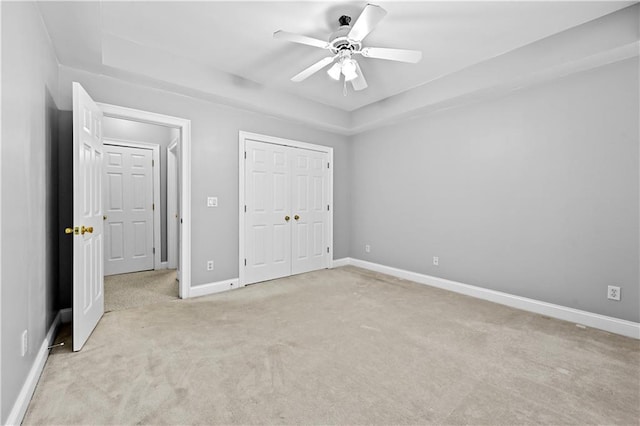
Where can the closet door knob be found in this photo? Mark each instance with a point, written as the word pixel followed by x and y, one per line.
pixel 287 218
pixel 296 217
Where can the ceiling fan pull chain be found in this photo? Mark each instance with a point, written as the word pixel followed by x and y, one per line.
pixel 344 88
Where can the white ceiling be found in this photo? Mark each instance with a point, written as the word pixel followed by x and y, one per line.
pixel 236 38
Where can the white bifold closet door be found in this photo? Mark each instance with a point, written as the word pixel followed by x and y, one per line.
pixel 128 209
pixel 286 219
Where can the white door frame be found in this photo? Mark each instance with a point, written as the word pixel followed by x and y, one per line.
pixel 172 204
pixel 242 137
pixel 155 155
pixel 184 125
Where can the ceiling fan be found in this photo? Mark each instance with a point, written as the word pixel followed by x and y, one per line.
pixel 346 43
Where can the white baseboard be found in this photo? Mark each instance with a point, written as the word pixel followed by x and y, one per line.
pixel 211 288
pixel 341 262
pixel 24 397
pixel 602 322
pixel 66 315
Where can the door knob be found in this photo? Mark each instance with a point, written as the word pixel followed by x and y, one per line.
pixel 287 218
pixel 296 217
pixel 87 229
pixel 104 218
pixel 71 230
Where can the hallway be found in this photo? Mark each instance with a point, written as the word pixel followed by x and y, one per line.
pixel 126 291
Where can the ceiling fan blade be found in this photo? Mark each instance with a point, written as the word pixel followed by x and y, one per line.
pixel 302 39
pixel 359 83
pixel 366 22
pixel 313 69
pixel 401 55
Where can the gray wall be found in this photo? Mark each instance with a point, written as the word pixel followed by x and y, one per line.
pixel 535 194
pixel 214 169
pixel 143 132
pixel 30 230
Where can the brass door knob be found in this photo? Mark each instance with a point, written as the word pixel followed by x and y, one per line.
pixel 86 229
pixel 296 217
pixel 287 218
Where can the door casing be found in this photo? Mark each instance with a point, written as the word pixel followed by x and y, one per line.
pixel 184 126
pixel 242 137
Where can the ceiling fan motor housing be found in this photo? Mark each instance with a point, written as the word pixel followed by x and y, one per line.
pixel 339 42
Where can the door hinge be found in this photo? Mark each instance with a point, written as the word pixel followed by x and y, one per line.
pixel 327 207
pixel 245 155
pixel 327 249
pixel 153 206
pixel 245 262
pixel 153 163
pixel 154 250
pixel 328 165
pixel 245 208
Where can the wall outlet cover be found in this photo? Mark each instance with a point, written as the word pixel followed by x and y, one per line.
pixel 613 292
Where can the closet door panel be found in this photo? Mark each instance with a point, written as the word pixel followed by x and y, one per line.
pixel 310 201
pixel 268 198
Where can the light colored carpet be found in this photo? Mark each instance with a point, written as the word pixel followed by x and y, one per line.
pixel 127 291
pixel 342 346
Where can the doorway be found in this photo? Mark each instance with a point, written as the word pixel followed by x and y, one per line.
pixel 286 198
pixel 178 185
pixel 88 219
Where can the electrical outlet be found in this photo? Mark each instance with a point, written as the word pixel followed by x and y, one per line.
pixel 613 292
pixel 209 265
pixel 212 201
pixel 367 248
pixel 25 342
pixel 436 260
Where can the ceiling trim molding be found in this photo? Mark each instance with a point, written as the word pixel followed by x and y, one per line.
pixel 609 39
pixel 186 75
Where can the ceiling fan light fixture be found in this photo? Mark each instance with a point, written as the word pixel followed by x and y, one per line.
pixel 349 69
pixel 334 71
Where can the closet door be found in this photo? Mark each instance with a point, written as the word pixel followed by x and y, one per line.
pixel 268 216
pixel 309 200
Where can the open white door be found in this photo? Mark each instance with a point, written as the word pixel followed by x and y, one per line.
pixel 88 260
pixel 173 217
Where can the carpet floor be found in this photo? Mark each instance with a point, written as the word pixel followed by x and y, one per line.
pixel 126 291
pixel 342 346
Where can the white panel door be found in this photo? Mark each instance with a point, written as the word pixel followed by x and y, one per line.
pixel 309 200
pixel 88 294
pixel 268 212
pixel 128 202
pixel 173 221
